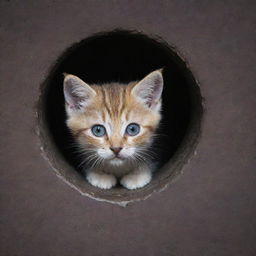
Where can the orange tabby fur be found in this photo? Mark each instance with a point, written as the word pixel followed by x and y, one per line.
pixel 114 106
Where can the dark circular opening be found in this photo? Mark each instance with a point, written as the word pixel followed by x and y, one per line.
pixel 122 56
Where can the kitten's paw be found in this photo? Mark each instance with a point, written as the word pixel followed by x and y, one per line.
pixel 136 179
pixel 101 180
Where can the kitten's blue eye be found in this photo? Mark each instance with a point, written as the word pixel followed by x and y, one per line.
pixel 98 130
pixel 132 129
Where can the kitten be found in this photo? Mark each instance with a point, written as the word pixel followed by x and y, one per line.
pixel 114 126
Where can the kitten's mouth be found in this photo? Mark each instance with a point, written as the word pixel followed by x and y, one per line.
pixel 117 160
pixel 118 157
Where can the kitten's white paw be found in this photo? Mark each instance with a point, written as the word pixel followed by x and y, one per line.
pixel 101 180
pixel 136 179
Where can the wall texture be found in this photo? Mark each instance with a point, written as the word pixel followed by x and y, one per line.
pixel 209 210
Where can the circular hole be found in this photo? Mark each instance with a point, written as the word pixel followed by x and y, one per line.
pixel 122 56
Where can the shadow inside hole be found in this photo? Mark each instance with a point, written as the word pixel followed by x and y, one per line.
pixel 122 56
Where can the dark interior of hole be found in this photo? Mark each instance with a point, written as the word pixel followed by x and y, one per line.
pixel 121 56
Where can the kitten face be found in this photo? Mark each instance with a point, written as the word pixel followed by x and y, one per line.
pixel 114 123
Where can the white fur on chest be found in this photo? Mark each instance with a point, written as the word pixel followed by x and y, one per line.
pixel 118 170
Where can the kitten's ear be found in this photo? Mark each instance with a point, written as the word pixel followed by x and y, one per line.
pixel 77 93
pixel 149 89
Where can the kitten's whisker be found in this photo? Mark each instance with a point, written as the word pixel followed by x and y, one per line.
pixel 146 153
pixel 140 157
pixel 91 158
pixel 88 159
pixel 97 162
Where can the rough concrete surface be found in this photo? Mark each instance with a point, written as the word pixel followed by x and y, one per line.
pixel 209 210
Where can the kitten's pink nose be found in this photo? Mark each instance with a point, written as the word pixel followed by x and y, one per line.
pixel 116 150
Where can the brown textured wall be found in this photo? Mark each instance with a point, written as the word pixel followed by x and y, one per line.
pixel 209 210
